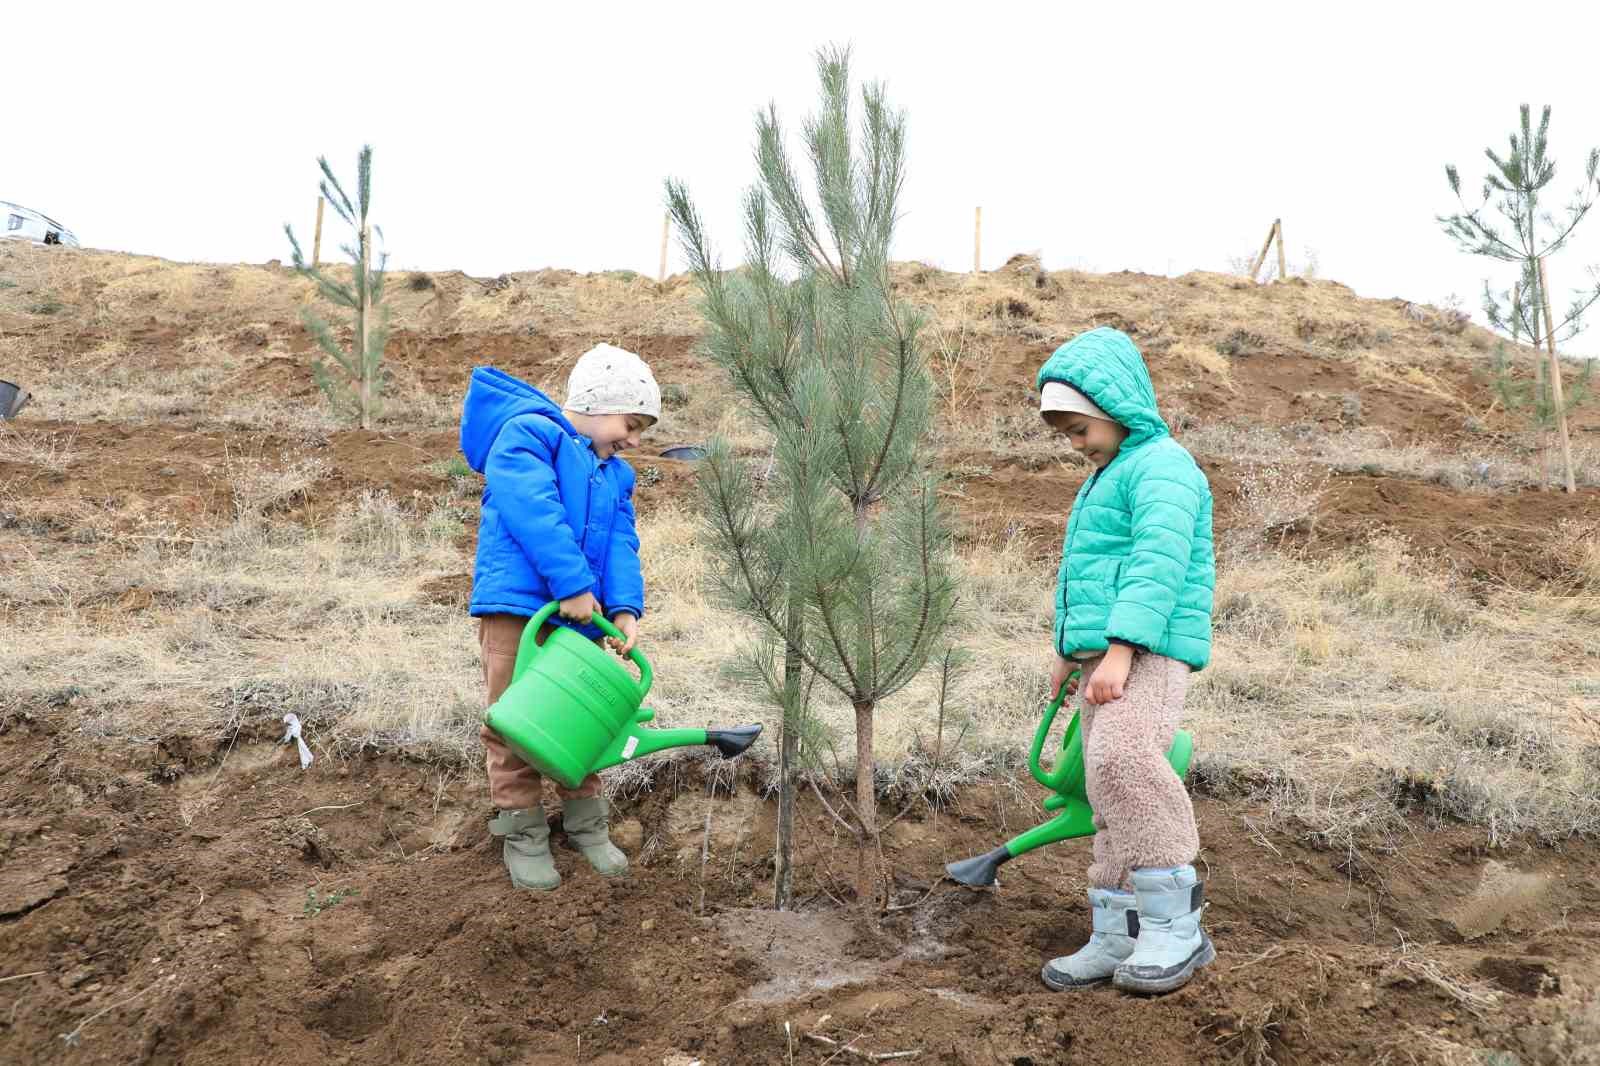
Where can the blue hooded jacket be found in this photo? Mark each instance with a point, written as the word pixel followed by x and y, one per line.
pixel 556 521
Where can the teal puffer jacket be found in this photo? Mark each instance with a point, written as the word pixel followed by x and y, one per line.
pixel 1137 563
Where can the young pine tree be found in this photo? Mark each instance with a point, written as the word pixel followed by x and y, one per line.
pixel 840 552
pixel 1525 234
pixel 355 387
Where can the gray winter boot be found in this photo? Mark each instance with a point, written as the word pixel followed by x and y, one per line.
pixel 1116 923
pixel 527 848
pixel 1170 945
pixel 585 822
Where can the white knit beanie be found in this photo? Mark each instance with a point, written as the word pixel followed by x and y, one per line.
pixel 1059 396
pixel 607 380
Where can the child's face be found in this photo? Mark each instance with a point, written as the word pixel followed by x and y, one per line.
pixel 611 434
pixel 1096 439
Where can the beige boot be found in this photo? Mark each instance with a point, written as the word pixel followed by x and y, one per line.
pixel 585 822
pixel 527 848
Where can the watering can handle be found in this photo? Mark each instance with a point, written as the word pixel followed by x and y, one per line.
pixel 646 674
pixel 1048 780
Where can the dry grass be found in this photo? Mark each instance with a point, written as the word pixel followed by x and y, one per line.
pixel 1374 451
pixel 1338 692
pixel 103 290
pixel 1276 498
pixel 242 625
pixel 1350 689
pixel 1203 358
pixel 46 451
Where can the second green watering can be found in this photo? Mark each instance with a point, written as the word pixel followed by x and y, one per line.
pixel 571 709
pixel 1066 779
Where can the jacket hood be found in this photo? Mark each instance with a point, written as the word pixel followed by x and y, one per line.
pixel 1105 365
pixel 493 399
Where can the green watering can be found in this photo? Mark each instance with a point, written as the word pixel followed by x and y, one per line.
pixel 571 709
pixel 1066 780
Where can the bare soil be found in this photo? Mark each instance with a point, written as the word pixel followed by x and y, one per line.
pixel 358 912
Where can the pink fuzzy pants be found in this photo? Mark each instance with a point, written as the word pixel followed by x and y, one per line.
pixel 1142 812
pixel 513 784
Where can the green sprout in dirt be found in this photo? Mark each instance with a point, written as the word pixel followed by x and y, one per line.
pixel 315 905
pixel 841 553
pixel 355 390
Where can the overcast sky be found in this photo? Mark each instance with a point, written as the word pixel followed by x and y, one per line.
pixel 1151 137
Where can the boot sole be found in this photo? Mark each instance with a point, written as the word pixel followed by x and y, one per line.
pixel 1071 984
pixel 1167 982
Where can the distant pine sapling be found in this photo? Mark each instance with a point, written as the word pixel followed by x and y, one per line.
pixel 1515 185
pixel 839 550
pixel 1516 391
pixel 355 387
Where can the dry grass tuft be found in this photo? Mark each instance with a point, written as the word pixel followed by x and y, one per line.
pixel 51 453
pixel 1411 966
pixel 1278 498
pixel 260 487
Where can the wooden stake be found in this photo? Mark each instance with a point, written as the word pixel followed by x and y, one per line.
pixel 316 237
pixel 977 241
pixel 1265 245
pixel 666 228
pixel 1539 390
pixel 1283 265
pixel 363 323
pixel 1556 398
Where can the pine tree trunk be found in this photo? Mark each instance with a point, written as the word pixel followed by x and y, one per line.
pixel 364 325
pixel 789 736
pixel 867 808
pixel 783 879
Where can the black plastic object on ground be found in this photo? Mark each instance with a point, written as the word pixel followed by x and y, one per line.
pixel 685 451
pixel 12 399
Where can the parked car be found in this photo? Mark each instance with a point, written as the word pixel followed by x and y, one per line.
pixel 26 224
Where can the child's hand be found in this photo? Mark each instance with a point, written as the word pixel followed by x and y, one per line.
pixel 629 625
pixel 580 608
pixel 1110 676
pixel 1061 674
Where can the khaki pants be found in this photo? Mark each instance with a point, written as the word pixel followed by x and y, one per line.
pixel 1142 812
pixel 513 784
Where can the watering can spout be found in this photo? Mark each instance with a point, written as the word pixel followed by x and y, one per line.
pixel 980 870
pixel 1065 779
pixel 571 710
pixel 635 743
pixel 731 742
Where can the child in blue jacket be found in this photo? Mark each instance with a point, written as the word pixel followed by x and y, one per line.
pixel 557 527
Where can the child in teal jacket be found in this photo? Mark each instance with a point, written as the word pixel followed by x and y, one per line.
pixel 1133 614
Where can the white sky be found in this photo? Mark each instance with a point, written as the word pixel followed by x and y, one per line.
pixel 1152 137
